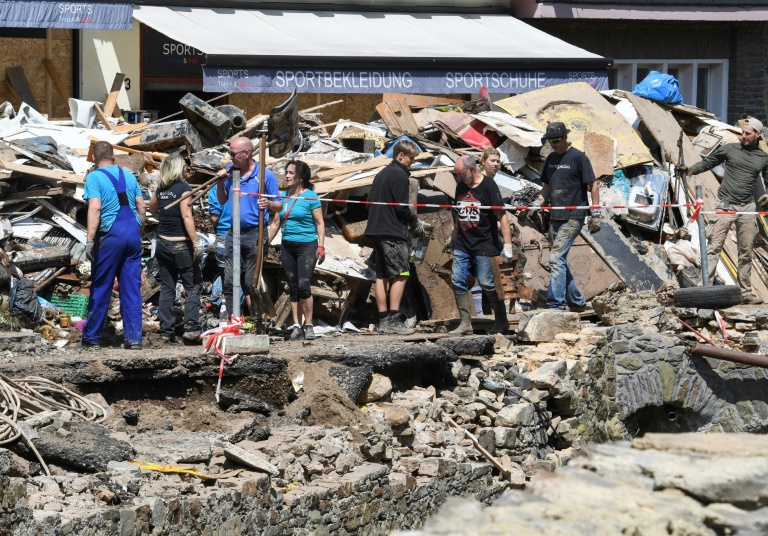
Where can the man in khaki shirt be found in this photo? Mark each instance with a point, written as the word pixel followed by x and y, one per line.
pixel 743 162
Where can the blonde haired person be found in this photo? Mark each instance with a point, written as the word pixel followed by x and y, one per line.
pixel 490 162
pixel 177 250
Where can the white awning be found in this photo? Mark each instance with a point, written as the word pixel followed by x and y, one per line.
pixel 249 47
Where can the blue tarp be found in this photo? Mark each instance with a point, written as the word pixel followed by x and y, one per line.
pixel 74 15
pixel 418 81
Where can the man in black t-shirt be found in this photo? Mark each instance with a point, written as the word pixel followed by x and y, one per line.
pixel 567 175
pixel 475 241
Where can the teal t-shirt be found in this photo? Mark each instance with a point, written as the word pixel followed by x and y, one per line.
pixel 299 225
pixel 98 186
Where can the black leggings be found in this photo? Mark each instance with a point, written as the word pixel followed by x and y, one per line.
pixel 299 259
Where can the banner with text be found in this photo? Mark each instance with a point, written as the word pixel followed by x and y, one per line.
pixel 75 15
pixel 260 80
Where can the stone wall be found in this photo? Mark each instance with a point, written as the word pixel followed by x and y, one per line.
pixel 638 382
pixel 368 499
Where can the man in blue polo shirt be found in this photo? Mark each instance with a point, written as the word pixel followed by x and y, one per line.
pixel 254 211
pixel 221 218
pixel 116 217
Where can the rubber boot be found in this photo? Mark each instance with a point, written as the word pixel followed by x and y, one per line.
pixel 500 321
pixel 465 324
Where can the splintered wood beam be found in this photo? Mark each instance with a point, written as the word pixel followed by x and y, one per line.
pixel 321 106
pixel 102 116
pixel 109 106
pixel 61 176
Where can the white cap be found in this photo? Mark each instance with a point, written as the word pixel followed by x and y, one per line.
pixel 754 123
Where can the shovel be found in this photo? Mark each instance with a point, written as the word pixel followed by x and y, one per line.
pixel 283 132
pixel 259 293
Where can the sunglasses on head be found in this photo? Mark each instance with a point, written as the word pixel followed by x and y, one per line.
pixel 555 140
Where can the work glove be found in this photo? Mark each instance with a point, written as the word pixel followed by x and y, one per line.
pixel 423 229
pixel 596 213
pixel 508 253
pixel 593 224
pixel 320 254
pixel 682 168
pixel 448 247
pixel 89 250
pixel 763 201
pixel 197 256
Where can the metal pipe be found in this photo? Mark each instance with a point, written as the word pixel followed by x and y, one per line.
pixel 702 241
pixel 235 200
pixel 727 354
pixel 697 332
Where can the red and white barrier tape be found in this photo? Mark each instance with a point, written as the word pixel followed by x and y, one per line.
pixel 698 205
pixel 217 343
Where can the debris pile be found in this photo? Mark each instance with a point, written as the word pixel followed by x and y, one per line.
pixel 633 144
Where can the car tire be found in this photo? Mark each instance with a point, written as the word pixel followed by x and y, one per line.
pixel 715 297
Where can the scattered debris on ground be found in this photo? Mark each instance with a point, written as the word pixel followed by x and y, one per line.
pixel 357 431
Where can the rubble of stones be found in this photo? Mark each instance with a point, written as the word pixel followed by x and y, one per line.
pixel 658 484
pixel 565 383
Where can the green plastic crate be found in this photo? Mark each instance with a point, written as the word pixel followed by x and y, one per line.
pixel 74 304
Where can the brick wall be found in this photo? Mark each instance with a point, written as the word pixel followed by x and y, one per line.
pixel 748 77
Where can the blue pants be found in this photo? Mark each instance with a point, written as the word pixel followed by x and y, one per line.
pixel 116 253
pixel 480 267
pixel 562 288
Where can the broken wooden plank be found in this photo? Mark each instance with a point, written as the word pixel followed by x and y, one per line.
pixel 17 78
pixel 61 87
pixel 398 118
pixel 321 106
pixel 149 154
pixel 366 179
pixel 102 116
pixel 114 92
pixel 445 182
pixel 61 176
pixel 36 193
pixel 601 153
pixel 379 161
pixel 341 173
pixel 420 101
pixel 127 127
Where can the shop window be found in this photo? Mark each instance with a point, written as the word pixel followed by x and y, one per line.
pixel 703 83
